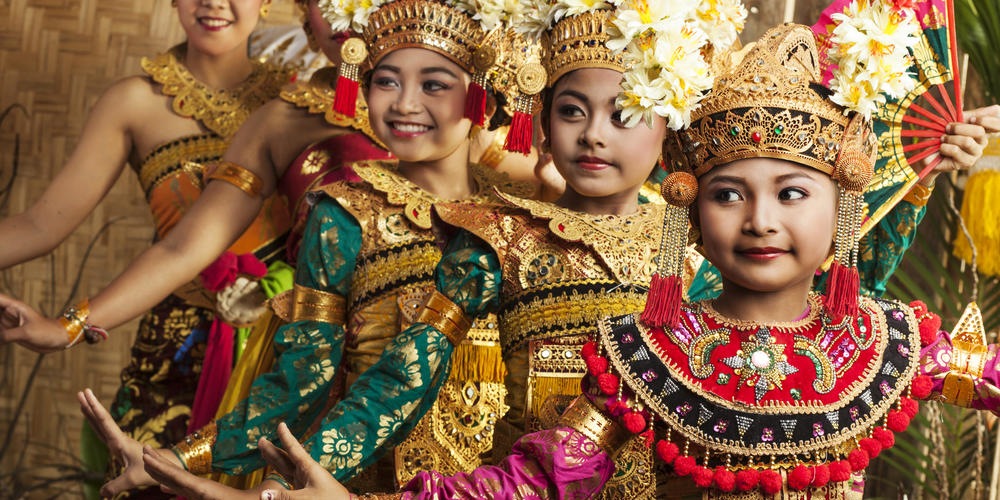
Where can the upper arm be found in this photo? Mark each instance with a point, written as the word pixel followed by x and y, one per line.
pixel 330 246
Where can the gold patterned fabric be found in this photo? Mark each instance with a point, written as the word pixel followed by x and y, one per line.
pixel 562 272
pixel 317 96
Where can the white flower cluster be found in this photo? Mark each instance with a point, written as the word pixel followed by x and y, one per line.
pixel 667 43
pixel 353 14
pixel 344 15
pixel 869 47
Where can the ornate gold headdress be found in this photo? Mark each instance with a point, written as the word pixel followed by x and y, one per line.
pixel 451 28
pixel 768 102
pixel 519 76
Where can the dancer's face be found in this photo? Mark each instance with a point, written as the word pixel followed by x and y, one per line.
pixel 416 105
pixel 766 224
pixel 593 150
pixel 218 26
pixel 328 40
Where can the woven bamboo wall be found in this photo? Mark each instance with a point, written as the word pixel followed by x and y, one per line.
pixel 56 57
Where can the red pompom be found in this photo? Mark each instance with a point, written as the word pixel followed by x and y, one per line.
pixel 821 475
pixel 634 422
pixel 909 407
pixel 608 383
pixel 589 349
pixel 702 476
pixel 596 365
pixel 885 437
pixel 800 478
pixel 667 451
pixel 684 465
pixel 724 479
pixel 747 479
pixel 840 471
pixel 647 438
pixel 770 481
pixel 897 421
pixel 921 387
pixel 858 459
pixel 616 407
pixel 927 322
pixel 871 446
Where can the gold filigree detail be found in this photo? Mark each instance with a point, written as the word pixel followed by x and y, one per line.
pixel 584 417
pixel 220 110
pixel 626 244
pixel 800 325
pixel 317 96
pixel 195 451
pixel 578 42
pixel 456 431
pixel 176 157
pixel 417 202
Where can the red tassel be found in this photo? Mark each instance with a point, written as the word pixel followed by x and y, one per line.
pixel 724 479
pixel 770 481
pixel 871 446
pixel 596 365
pixel 921 387
pixel 589 349
pixel 667 451
pixel 663 302
pixel 684 465
pixel 520 134
pixel 821 476
pixel 608 383
pixel 647 438
pixel 897 421
pixel 909 407
pixel 475 104
pixel 840 471
pixel 800 478
pixel 634 422
pixel 702 476
pixel 345 100
pixel 842 289
pixel 885 437
pixel 858 459
pixel 747 479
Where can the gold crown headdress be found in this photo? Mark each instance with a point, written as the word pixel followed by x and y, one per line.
pixel 451 28
pixel 768 102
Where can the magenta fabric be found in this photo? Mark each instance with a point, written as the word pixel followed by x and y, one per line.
pixel 934 362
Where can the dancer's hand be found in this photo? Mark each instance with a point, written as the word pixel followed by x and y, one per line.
pixel 964 143
pixel 308 477
pixel 22 324
pixel 123 448
pixel 175 480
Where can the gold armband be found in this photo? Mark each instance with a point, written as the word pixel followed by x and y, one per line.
pixel 918 195
pixel 309 304
pixel 959 389
pixel 584 417
pixel 195 452
pixel 968 358
pixel 245 180
pixel 446 317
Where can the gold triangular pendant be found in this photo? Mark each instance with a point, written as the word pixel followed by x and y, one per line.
pixel 970 326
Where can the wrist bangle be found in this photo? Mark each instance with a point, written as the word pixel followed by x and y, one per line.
pixel 74 321
pixel 195 451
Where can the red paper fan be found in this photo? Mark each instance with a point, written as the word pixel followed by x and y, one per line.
pixel 909 129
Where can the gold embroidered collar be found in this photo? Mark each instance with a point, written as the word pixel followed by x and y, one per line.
pixel 221 111
pixel 317 97
pixel 812 316
pixel 625 243
pixel 384 176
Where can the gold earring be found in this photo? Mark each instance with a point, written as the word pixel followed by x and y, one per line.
pixel 264 8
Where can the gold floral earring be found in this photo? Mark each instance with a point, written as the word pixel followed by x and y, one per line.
pixel 264 9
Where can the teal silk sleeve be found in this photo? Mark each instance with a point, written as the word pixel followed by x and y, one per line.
pixel 389 399
pixel 307 353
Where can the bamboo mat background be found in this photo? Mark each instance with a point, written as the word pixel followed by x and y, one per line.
pixel 56 57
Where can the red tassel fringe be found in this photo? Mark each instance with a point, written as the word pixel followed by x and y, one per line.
pixel 345 101
pixel 519 135
pixel 475 104
pixel 842 289
pixel 663 302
